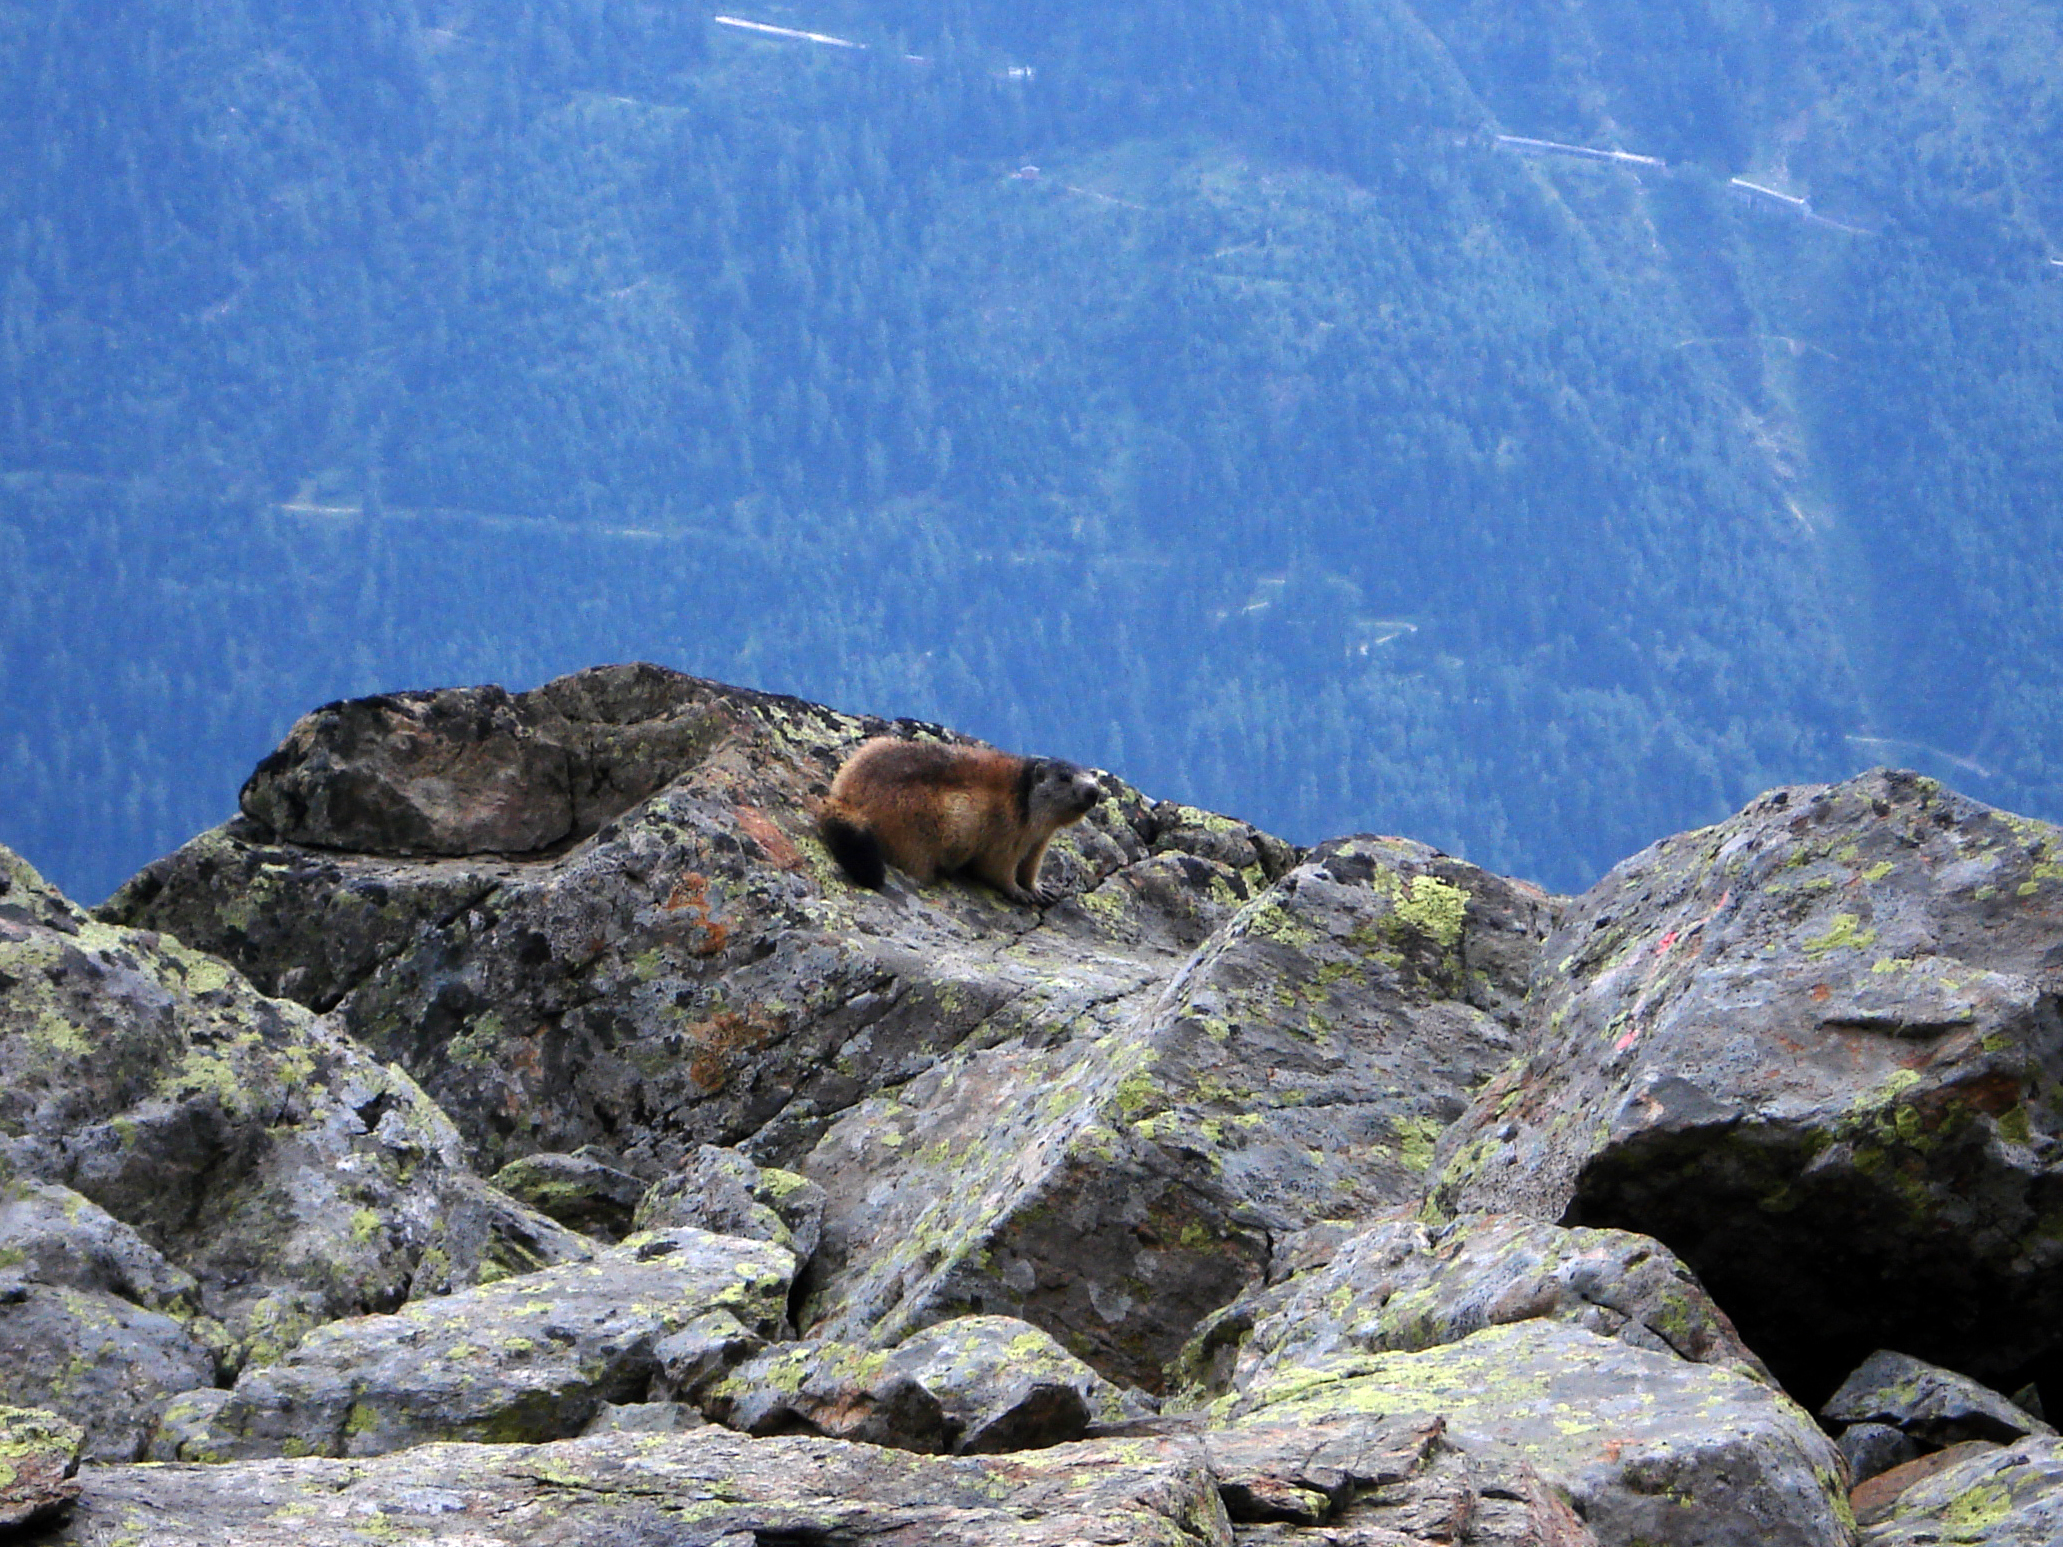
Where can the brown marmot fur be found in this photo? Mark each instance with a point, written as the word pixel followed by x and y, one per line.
pixel 935 810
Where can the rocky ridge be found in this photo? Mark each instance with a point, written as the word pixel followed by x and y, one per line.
pixel 1246 1194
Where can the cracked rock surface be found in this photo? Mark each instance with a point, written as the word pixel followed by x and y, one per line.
pixel 1817 1049
pixel 1225 1042
pixel 1247 1194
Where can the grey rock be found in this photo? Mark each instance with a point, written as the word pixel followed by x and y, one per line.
pixel 186 1426
pixel 52 1235
pixel 703 1352
pixel 1814 1048
pixel 1006 1385
pixel 2004 1497
pixel 524 1359
pixel 481 770
pixel 644 1418
pixel 834 1390
pixel 1400 1285
pixel 275 1173
pixel 1935 1406
pixel 1876 1447
pixel 107 1365
pixel 580 1191
pixel 723 1190
pixel 696 971
pixel 39 1452
pixel 456 772
pixel 1298 1065
pixel 695 1489
pixel 973 1385
pixel 1383 1482
pixel 1644 1444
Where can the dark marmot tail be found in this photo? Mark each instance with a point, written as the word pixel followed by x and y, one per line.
pixel 857 851
pixel 933 810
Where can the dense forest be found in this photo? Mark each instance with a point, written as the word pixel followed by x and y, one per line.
pixel 1200 389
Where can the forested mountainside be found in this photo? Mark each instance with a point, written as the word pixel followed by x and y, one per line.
pixel 1198 389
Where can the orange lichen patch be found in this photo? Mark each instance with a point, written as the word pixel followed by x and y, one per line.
pixel 717 1039
pixel 690 894
pixel 757 826
pixel 1821 993
pixel 526 1063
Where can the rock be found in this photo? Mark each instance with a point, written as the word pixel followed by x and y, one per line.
pixel 93 1320
pixel 481 770
pixel 974 1385
pixel 704 1488
pixel 1934 1406
pixel 644 1418
pixel 1005 1385
pixel 1814 1049
pixel 1399 1285
pixel 456 772
pixel 108 1365
pixel 1876 1447
pixel 1640 1442
pixel 525 1359
pixel 39 1452
pixel 1298 1066
pixel 1214 1064
pixel 1379 1482
pixel 2009 1496
pixel 1874 1498
pixel 245 1161
pixel 52 1235
pixel 582 1192
pixel 834 1390
pixel 722 1190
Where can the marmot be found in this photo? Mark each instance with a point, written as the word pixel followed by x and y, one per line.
pixel 935 810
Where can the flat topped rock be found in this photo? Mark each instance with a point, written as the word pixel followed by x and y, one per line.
pixel 480 770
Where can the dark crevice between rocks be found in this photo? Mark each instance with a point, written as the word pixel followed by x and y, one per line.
pixel 1793 1260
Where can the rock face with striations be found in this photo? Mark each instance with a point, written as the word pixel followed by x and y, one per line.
pixel 1817 1049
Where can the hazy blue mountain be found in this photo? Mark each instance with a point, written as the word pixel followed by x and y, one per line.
pixel 1283 439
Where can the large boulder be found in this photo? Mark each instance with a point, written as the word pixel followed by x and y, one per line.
pixel 1224 1044
pixel 1643 1444
pixel 1399 1285
pixel 526 1359
pixel 972 1385
pixel 1297 1066
pixel 481 770
pixel 1816 1049
pixel 192 1175
pixel 1591 1355
pixel 705 1488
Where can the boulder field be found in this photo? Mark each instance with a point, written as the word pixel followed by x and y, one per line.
pixel 512 1128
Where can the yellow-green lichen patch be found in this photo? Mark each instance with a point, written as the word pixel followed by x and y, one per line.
pixel 1416 1137
pixel 1844 933
pixel 1436 909
pixel 1977 1509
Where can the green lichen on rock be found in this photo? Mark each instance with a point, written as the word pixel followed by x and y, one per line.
pixel 1437 909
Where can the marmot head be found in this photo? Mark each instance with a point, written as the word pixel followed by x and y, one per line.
pixel 1057 793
